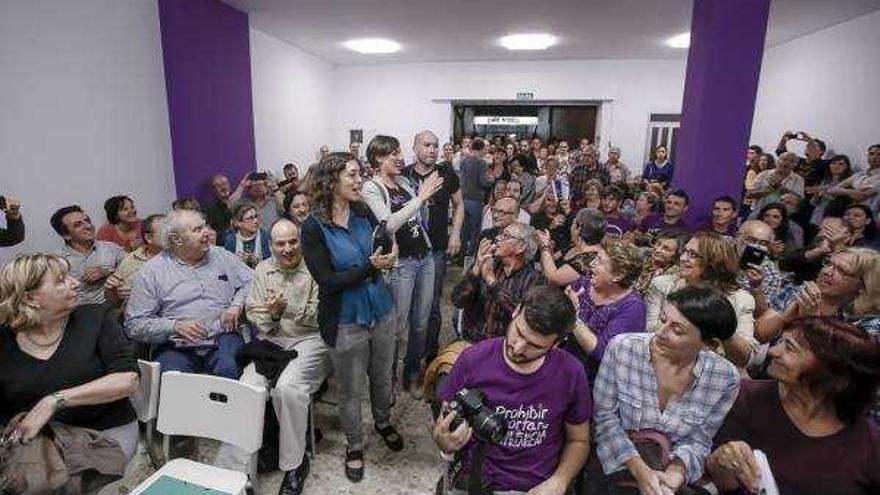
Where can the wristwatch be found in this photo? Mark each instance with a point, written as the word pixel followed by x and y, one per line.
pixel 60 401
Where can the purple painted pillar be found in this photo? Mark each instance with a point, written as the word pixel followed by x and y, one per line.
pixel 206 50
pixel 723 68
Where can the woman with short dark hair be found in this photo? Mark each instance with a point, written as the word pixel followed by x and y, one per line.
pixel 246 238
pixel 396 201
pixel 123 226
pixel 809 420
pixel 669 384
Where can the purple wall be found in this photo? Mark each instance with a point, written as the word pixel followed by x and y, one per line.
pixel 206 50
pixel 724 64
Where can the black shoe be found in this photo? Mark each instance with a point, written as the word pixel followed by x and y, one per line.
pixel 293 481
pixel 354 465
pixel 392 438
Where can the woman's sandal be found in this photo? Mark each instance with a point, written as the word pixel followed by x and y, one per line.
pixel 392 439
pixel 356 458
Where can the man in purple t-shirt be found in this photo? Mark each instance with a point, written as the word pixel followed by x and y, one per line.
pixel 723 221
pixel 617 223
pixel 674 207
pixel 541 392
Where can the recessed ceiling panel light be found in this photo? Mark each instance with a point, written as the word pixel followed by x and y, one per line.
pixel 534 41
pixel 682 40
pixel 373 45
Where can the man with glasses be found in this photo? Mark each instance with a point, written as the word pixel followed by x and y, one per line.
pixel 763 281
pixel 187 301
pixel 497 282
pixel 504 212
pixel 541 392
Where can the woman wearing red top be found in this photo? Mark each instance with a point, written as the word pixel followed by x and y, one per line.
pixel 123 226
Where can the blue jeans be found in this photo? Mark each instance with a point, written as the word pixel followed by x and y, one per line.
pixel 435 321
pixel 412 285
pixel 473 219
pixel 219 361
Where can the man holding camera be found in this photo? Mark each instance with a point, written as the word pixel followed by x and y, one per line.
pixel 14 231
pixel 531 434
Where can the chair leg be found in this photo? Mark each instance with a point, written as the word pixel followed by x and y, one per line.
pixel 166 447
pixel 312 429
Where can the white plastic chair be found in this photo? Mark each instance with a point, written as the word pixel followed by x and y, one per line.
pixel 209 407
pixel 146 399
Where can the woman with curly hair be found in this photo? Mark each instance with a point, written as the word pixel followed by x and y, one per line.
pixel 607 305
pixel 354 302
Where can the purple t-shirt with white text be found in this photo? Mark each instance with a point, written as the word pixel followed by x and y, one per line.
pixel 536 406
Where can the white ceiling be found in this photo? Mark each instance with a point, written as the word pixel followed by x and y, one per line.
pixel 460 30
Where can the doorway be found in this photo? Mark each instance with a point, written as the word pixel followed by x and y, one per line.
pixel 548 121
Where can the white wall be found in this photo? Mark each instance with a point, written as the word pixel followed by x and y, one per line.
pixel 292 93
pixel 84 112
pixel 396 99
pixel 826 84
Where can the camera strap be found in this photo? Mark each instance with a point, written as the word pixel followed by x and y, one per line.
pixel 475 475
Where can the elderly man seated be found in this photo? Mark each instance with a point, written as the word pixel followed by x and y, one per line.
pixel 283 305
pixel 502 273
pixel 188 300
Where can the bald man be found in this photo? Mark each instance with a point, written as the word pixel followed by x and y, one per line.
pixel 766 280
pixel 283 305
pixel 443 243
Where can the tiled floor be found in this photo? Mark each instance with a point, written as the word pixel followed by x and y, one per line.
pixel 414 470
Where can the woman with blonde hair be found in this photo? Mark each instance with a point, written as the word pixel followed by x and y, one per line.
pixel 708 259
pixel 61 362
pixel 848 287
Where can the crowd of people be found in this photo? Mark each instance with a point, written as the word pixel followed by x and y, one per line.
pixel 607 338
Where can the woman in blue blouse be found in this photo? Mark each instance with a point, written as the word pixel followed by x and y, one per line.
pixel 660 169
pixel 354 302
pixel 669 383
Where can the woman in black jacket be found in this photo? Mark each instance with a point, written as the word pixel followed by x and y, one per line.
pixel 354 302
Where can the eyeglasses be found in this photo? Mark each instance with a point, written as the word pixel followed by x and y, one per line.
pixel 497 211
pixel 504 236
pixel 837 267
pixel 249 218
pixel 692 254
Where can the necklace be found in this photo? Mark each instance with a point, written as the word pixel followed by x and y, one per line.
pixel 50 344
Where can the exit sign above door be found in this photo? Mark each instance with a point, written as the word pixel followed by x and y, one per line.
pixel 525 96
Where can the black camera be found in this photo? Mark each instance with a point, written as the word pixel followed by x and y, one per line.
pixel 470 406
pixel 382 239
pixel 752 255
pixel 2 202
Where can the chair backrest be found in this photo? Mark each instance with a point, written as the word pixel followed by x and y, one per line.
pixel 146 399
pixel 212 407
